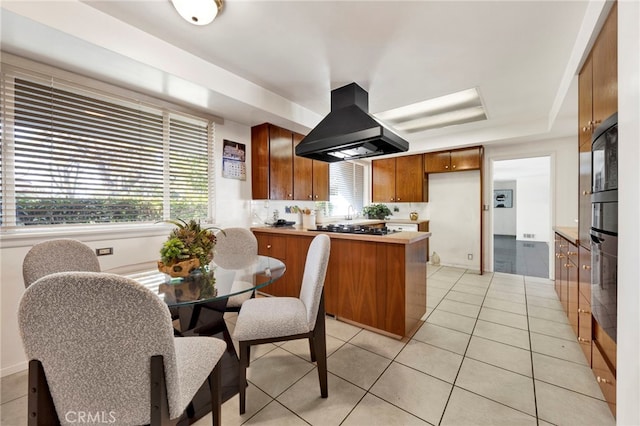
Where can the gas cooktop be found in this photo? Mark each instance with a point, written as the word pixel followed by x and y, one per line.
pixel 354 229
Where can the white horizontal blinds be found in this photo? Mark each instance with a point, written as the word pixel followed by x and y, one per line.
pixel 189 168
pixel 83 159
pixel 346 187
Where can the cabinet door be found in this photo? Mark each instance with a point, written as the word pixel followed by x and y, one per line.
pixel 320 181
pixel 260 162
pixel 584 196
pixel 303 172
pixel 280 163
pixel 572 295
pixel 409 178
pixel 437 162
pixel 274 246
pixel 585 106
pixel 605 69
pixel 465 159
pixel 383 180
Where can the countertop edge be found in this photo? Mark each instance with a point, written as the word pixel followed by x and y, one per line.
pixel 404 237
pixel 569 233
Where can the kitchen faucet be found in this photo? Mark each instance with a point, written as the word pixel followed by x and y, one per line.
pixel 350 212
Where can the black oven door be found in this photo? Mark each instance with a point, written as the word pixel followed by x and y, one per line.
pixel 604 279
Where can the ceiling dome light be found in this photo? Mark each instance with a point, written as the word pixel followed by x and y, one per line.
pixel 198 12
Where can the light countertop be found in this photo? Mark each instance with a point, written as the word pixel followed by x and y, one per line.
pixel 404 237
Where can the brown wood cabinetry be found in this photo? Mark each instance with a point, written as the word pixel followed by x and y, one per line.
pixel 376 284
pixel 453 161
pixel 598 80
pixel 311 181
pixel 274 165
pixel 399 179
pixel 585 320
pixel 606 377
pixel 605 69
pixel 567 278
pixel 584 195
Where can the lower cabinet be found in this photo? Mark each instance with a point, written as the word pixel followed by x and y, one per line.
pixel 573 285
pixel 375 284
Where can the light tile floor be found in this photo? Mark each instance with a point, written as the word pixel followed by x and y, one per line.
pixel 495 349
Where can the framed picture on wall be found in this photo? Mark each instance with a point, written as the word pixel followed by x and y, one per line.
pixel 233 160
pixel 502 198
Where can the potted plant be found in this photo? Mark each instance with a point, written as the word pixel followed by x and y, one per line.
pixel 189 247
pixel 376 211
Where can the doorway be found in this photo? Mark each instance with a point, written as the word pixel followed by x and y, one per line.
pixel 521 205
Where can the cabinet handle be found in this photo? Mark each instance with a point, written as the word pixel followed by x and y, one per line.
pixel 603 380
pixel 586 267
pixel 289 195
pixel 583 311
pixel 560 256
pixel 581 340
pixel 398 199
pixel 446 167
pixel 572 253
pixel 584 129
pixel 310 197
pixel 316 196
pixel 568 265
pixel 391 199
pixel 586 192
pixel 268 246
pixel 453 167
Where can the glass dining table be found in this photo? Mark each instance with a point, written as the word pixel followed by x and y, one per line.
pixel 198 302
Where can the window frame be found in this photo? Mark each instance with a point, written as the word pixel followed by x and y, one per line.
pixel 16 67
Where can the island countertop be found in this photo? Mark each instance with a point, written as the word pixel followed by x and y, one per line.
pixel 403 237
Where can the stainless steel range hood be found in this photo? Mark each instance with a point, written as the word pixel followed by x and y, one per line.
pixel 349 132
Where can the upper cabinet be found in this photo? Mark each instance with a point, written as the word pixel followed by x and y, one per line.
pixel 453 161
pixel 273 165
pixel 312 176
pixel 399 179
pixel 598 80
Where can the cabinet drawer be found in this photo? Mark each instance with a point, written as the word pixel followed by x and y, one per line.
pixel 272 245
pixel 605 377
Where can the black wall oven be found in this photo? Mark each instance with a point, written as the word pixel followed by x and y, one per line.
pixel 604 225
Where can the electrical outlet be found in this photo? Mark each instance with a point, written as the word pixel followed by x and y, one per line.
pixel 469 256
pixel 104 251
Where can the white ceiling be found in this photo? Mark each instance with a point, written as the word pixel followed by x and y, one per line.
pixel 278 60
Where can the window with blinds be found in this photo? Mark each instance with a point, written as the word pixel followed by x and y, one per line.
pixel 70 156
pixel 346 187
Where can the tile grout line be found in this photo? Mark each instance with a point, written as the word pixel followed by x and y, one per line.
pixel 533 376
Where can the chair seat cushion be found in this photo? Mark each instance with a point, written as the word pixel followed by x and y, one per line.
pixel 237 300
pixel 269 317
pixel 195 359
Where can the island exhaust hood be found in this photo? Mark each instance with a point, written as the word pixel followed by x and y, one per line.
pixel 349 132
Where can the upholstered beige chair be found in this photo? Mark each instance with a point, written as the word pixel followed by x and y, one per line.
pixel 103 344
pixel 236 248
pixel 60 255
pixel 274 319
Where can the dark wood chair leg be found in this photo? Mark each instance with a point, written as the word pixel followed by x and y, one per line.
pixel 41 410
pixel 320 343
pixel 158 398
pixel 215 386
pixel 312 349
pixel 242 375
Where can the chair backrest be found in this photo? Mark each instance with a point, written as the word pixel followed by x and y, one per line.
pixel 236 248
pixel 94 334
pixel 315 271
pixel 61 255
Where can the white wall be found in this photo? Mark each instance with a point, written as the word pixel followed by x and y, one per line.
pixel 133 246
pixel 454 205
pixel 533 209
pixel 504 219
pixel 628 371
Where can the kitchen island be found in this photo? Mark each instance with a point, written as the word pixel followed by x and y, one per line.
pixel 376 281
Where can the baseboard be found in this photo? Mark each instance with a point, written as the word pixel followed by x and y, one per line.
pixel 7 371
